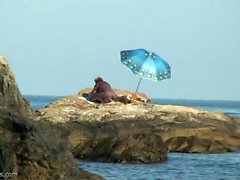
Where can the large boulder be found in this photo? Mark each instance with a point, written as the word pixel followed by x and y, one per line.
pixel 105 132
pixel 115 142
pixel 113 125
pixel 10 95
pixel 31 149
pixel 36 150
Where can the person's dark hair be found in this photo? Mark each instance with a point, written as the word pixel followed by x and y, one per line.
pixel 98 79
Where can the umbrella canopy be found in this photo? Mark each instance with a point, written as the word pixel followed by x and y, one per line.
pixel 146 64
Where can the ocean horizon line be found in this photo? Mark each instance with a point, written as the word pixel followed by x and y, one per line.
pixel 154 98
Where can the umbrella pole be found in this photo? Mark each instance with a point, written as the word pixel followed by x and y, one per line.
pixel 138 85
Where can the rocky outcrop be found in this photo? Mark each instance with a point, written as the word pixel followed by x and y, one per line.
pixel 115 142
pixel 10 95
pixel 31 149
pixel 98 131
pixel 95 135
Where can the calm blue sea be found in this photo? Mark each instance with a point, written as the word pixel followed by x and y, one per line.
pixel 179 166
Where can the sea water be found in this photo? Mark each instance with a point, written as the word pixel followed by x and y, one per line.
pixel 186 166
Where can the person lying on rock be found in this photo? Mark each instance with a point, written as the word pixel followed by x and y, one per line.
pixel 103 93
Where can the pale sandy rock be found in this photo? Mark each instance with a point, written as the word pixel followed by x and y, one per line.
pixel 183 129
pixel 3 60
pixel 10 96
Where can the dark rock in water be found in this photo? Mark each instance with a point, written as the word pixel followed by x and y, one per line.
pixel 31 149
pixel 36 150
pixel 10 95
pixel 109 142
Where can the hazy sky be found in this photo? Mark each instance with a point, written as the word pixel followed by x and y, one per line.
pixel 57 47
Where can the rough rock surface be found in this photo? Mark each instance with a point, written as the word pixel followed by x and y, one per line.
pixel 10 95
pixel 115 142
pixel 31 149
pixel 93 138
pixel 182 129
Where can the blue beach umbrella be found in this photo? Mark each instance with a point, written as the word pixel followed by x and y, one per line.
pixel 146 65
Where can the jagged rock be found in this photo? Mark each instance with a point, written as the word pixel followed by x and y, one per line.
pixel 31 149
pixel 36 150
pixel 10 95
pixel 182 129
pixel 110 142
